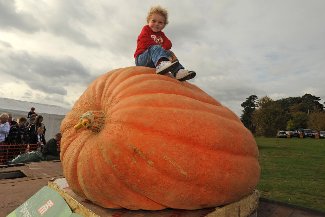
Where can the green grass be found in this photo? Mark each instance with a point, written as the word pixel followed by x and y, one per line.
pixel 293 171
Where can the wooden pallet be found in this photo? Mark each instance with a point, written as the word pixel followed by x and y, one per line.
pixel 246 207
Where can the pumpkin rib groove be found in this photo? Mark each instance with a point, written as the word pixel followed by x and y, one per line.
pixel 188 140
pixel 167 177
pixel 103 189
pixel 64 147
pixel 141 77
pixel 111 82
pixel 206 149
pixel 215 152
pixel 120 80
pixel 75 184
pixel 187 92
pixel 127 186
pixel 170 93
pixel 160 106
pixel 169 108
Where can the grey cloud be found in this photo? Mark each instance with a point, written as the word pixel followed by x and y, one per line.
pixel 48 87
pixel 70 32
pixel 48 74
pixel 70 21
pixel 58 99
pixel 10 18
pixel 227 90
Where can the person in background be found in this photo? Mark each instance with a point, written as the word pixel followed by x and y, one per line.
pixel 31 112
pixel 33 128
pixel 51 150
pixel 18 132
pixel 23 130
pixel 11 121
pixel 31 120
pixel 4 126
pixel 39 138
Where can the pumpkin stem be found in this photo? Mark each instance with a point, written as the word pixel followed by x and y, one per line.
pixel 91 120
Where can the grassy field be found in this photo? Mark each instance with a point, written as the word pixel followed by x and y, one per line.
pixel 293 171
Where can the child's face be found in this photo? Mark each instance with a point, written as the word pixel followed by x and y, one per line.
pixel 156 22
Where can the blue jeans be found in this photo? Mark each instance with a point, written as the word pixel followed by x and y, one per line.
pixel 152 55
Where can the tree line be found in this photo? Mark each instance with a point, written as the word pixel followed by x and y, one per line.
pixel 265 116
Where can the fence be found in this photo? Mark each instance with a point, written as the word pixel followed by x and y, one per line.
pixel 10 151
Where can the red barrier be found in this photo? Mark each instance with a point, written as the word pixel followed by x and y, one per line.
pixel 10 151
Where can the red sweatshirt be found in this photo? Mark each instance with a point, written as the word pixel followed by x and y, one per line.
pixel 148 38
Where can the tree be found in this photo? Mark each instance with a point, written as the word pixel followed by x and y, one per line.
pixel 311 103
pixel 270 118
pixel 297 120
pixel 316 121
pixel 249 106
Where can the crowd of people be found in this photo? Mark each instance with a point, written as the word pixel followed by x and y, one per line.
pixel 28 130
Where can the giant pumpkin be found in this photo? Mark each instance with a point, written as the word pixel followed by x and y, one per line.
pixel 138 140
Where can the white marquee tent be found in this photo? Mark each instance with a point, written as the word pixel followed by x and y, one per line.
pixel 52 115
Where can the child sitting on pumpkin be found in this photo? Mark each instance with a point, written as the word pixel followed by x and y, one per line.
pixel 153 47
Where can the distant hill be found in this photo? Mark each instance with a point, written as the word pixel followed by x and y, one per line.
pixel 18 105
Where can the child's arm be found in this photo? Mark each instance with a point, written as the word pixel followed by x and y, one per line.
pixel 144 39
pixel 167 45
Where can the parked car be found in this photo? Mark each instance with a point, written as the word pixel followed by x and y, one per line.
pixel 314 133
pixel 295 133
pixel 281 134
pixel 308 133
pixel 322 134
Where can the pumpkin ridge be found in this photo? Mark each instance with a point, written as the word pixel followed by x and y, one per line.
pixel 168 177
pixel 145 157
pixel 155 93
pixel 146 77
pixel 130 188
pixel 233 125
pixel 139 191
pixel 119 86
pixel 63 146
pixel 74 183
pixel 109 163
pixel 118 78
pixel 96 198
pixel 121 78
pixel 187 91
pixel 189 142
pixel 109 80
pixel 112 98
pixel 162 107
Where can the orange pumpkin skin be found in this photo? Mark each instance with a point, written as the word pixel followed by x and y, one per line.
pixel 163 144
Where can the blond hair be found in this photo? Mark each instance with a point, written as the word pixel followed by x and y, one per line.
pixel 4 116
pixel 158 10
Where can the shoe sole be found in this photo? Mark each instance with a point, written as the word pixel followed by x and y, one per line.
pixel 171 67
pixel 188 77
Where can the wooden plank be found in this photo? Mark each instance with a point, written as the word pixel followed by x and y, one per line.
pixel 246 207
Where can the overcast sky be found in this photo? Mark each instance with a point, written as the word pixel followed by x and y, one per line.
pixel 51 50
